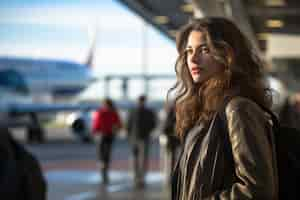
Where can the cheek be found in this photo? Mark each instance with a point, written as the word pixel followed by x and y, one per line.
pixel 189 65
pixel 188 62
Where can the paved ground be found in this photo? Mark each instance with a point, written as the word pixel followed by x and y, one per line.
pixel 71 170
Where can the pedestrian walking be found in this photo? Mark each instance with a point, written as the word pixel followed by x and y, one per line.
pixel 105 125
pixel 141 122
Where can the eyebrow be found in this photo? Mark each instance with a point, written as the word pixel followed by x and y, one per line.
pixel 200 46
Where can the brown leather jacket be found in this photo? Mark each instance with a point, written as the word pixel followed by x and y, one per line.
pixel 238 164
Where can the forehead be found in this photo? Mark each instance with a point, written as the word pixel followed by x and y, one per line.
pixel 196 38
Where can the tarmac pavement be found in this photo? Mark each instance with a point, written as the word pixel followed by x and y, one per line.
pixel 70 168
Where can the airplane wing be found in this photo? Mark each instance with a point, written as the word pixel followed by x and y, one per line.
pixel 18 108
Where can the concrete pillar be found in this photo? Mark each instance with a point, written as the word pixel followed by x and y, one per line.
pixel 225 8
pixel 242 20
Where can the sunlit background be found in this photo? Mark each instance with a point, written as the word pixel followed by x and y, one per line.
pixel 65 30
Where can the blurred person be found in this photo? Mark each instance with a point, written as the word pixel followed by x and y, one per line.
pixel 21 176
pixel 172 141
pixel 11 187
pixel 228 147
pixel 105 125
pixel 289 114
pixel 141 122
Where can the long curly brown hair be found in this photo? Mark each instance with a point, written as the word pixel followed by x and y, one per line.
pixel 242 74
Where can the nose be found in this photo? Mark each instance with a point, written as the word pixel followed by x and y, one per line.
pixel 195 58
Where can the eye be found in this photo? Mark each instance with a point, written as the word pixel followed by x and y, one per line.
pixel 188 51
pixel 204 50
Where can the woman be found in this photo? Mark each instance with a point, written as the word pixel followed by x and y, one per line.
pixel 106 123
pixel 218 72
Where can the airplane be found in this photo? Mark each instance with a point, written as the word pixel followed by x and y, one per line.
pixel 32 88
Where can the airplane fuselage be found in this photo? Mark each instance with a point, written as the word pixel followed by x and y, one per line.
pixel 26 81
pixel 58 78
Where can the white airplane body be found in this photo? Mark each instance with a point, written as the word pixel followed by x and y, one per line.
pixel 29 87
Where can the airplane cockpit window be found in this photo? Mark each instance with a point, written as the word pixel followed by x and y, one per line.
pixel 13 80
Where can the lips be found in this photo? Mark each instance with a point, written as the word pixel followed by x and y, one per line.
pixel 195 70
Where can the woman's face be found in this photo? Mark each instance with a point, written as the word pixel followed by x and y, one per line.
pixel 200 61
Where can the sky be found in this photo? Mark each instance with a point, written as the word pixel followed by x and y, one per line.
pixel 65 29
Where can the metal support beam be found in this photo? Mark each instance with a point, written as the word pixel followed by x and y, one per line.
pixel 125 88
pixel 208 8
pixel 107 86
pixel 146 86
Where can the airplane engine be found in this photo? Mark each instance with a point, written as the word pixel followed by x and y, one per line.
pixel 81 125
pixel 78 126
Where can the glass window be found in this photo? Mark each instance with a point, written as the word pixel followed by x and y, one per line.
pixel 13 80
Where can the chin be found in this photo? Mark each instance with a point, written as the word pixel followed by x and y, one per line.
pixel 197 80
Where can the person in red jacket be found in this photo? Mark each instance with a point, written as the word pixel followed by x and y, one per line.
pixel 105 124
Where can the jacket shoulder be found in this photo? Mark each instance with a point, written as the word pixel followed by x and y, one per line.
pixel 241 103
pixel 245 106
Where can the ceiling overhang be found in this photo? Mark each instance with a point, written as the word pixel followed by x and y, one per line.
pixel 263 17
